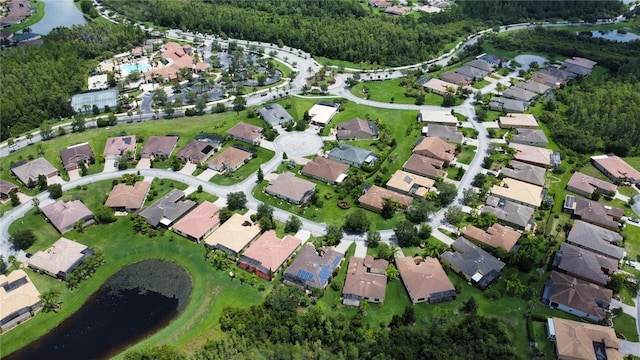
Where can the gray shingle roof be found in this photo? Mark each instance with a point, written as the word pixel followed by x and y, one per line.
pixel 509 212
pixel 351 154
pixel 596 238
pixel 470 259
pixel 446 133
pixel 274 114
pixel 527 136
pixel 525 172
pixel 167 209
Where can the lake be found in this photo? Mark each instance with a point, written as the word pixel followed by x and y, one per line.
pixel 614 35
pixel 133 304
pixel 58 13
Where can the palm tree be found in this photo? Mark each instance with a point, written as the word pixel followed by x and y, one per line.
pixel 50 301
pixel 13 261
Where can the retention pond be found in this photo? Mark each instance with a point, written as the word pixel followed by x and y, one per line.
pixel 134 303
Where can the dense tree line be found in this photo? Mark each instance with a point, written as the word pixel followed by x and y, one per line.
pixel 286 326
pixel 600 116
pixel 38 81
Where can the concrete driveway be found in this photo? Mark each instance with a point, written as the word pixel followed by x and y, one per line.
pixel 207 174
pixel 74 174
pixel 188 169
pixel 110 165
pixel 144 163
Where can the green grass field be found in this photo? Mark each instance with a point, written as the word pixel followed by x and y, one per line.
pixel 625 325
pixel 467 154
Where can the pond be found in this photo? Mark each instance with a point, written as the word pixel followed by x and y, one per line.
pixel 58 13
pixel 614 35
pixel 133 304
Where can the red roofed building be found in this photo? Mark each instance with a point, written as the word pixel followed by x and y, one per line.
pixel 267 254
pixel 198 223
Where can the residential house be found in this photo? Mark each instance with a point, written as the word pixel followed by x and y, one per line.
pixel 424 166
pixel 176 57
pixel 521 94
pixel 60 259
pixel 577 297
pixel 596 239
pixel 472 73
pixel 312 268
pixel 525 172
pixel 374 198
pixel 6 189
pixel 65 215
pixel 266 256
pixel 410 184
pixel 519 192
pixel 353 156
pixel 322 113
pixel 196 151
pixel 15 12
pixel 449 134
pixel 167 209
pixel 129 198
pixel 435 148
pixel 159 146
pixel 29 172
pixel 535 155
pixel 397 10
pixel 534 87
pixel 440 87
pixel 233 235
pixel 579 66
pixel 291 188
pixel 73 155
pixel 580 340
pixel 509 213
pixel 616 169
pixel 325 170
pixel 499 103
pixel 119 146
pixel 275 114
pixel 357 129
pixel 19 299
pixel 562 76
pixel 530 137
pixel 454 78
pixel 520 121
pixel 472 263
pixel 379 3
pixel 585 185
pixel 482 65
pixel 437 117
pixel 494 60
pixel 593 212
pixel 547 80
pixel 199 222
pixel 585 264
pixel 231 159
pixel 496 236
pixel 425 280
pixel 246 132
pixel 366 281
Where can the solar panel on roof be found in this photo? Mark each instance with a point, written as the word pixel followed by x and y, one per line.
pixel 305 275
pixel 324 274
pixel 407 179
pixel 336 261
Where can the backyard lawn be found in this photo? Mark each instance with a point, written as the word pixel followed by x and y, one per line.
pixel 467 154
pixel 625 325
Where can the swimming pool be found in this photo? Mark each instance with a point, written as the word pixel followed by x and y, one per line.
pixel 127 69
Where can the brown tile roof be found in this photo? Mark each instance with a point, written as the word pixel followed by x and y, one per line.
pixel 586 185
pixel 6 187
pixel 365 282
pixel 454 78
pixel 159 146
pixel 128 196
pixel 617 167
pixel 231 158
pixel 375 196
pixel 75 154
pixel 291 187
pixel 357 128
pixel 575 340
pixel 234 234
pixel 425 166
pixel 495 236
pixel 532 154
pixel 594 212
pixel 62 257
pixel 324 169
pixel 17 292
pixel 578 294
pixel 585 264
pixel 34 168
pixel 245 131
pixel 585 63
pixel 119 145
pixel 63 215
pixel 513 120
pixel 423 279
pixel 270 251
pixel 199 221
pixel 196 151
pixel 436 148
